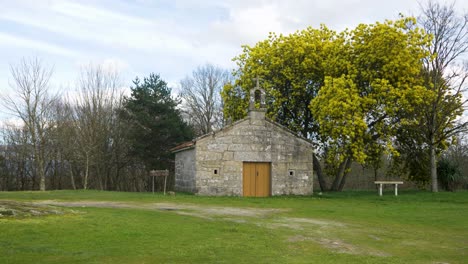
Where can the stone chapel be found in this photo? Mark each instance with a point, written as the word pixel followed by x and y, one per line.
pixel 251 157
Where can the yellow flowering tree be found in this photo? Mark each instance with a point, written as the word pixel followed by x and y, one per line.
pixel 360 112
pixel 344 91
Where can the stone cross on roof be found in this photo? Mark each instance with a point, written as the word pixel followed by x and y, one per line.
pixel 257 95
pixel 257 79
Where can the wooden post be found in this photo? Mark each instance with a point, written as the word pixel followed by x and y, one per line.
pixel 153 183
pixel 160 173
pixel 152 174
pixel 165 180
pixel 380 189
pixel 396 189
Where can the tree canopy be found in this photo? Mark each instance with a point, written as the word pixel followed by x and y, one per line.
pixel 202 100
pixel 155 122
pixel 445 79
pixel 346 91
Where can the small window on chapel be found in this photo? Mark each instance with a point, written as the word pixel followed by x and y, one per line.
pixel 291 172
pixel 215 171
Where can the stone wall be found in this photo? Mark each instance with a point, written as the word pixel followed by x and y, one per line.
pixel 185 171
pixel 220 158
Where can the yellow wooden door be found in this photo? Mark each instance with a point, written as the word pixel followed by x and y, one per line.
pixel 256 179
pixel 248 179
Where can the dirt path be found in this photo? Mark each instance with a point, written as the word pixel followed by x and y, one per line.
pixel 302 230
pixel 184 209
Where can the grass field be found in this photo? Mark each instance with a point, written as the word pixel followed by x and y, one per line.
pixel 349 227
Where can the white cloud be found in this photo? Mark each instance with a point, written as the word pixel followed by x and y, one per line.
pixel 31 44
pixel 251 21
pixel 97 25
pixel 107 64
pixel 172 37
pixel 97 15
pixel 113 64
pixel 248 25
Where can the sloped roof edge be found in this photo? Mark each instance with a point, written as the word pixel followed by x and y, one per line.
pixel 221 129
pixel 287 130
pixel 191 144
pixel 183 146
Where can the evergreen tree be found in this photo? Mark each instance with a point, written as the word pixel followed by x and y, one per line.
pixel 155 123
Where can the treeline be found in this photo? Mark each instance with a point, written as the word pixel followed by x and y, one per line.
pixel 96 137
pixel 387 94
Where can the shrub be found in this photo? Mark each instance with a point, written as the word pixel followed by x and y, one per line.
pixel 449 174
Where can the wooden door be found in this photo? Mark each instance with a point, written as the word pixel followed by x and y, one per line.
pixel 256 179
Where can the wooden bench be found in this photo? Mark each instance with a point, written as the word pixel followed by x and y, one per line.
pixel 381 183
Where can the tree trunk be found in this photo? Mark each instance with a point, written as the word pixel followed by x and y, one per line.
pixel 85 183
pixel 434 184
pixel 57 176
pixel 72 178
pixel 338 176
pixel 99 172
pixel 40 167
pixel 320 176
pixel 345 174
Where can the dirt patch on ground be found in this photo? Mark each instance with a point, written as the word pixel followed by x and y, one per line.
pixel 14 209
pixel 334 244
pixel 312 221
pixel 303 224
pixel 183 209
pixel 298 238
pixel 305 230
pixel 337 245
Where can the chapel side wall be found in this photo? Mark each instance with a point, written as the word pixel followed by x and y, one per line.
pixel 185 171
pixel 214 152
pixel 292 168
pixel 253 140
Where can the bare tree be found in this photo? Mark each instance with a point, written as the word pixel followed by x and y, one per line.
pixel 18 157
pixel 94 112
pixel 64 140
pixel 121 157
pixel 31 102
pixel 445 75
pixel 201 97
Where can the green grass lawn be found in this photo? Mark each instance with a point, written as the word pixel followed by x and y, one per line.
pixel 348 227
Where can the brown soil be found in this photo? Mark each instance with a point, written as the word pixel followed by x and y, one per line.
pixel 185 209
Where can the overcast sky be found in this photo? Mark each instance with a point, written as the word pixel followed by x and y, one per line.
pixel 170 37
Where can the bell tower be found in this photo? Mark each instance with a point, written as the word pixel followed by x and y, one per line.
pixel 257 105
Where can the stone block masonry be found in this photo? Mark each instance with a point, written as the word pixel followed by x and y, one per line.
pixel 214 164
pixel 258 140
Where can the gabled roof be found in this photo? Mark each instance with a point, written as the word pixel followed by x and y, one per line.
pixel 191 144
pixel 222 129
pixel 287 130
pixel 183 146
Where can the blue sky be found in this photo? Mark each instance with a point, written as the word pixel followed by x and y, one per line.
pixel 171 38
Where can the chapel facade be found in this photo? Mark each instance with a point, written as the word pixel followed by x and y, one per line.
pixel 251 157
